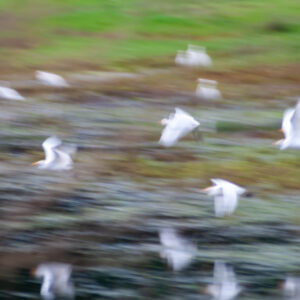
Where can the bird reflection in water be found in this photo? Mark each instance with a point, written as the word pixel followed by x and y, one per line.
pixel 225 285
pixel 56 280
pixel 177 250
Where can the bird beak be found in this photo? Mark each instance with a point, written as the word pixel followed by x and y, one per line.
pixel 280 130
pixel 160 122
pixel 35 163
pixel 206 189
pixel 275 143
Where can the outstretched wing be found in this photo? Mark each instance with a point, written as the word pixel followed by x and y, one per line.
pixel 230 197
pixel 180 124
pixel 295 120
pixel 49 145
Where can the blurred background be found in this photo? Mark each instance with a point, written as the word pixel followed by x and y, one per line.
pixel 105 216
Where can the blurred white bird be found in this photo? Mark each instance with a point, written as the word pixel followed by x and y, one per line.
pixel 10 94
pixel 195 56
pixel 177 126
pixel 178 251
pixel 291 288
pixel 56 280
pixel 225 285
pixel 207 90
pixel 57 157
pixel 51 79
pixel 225 196
pixel 290 128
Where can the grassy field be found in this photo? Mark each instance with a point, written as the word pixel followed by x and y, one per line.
pixel 125 35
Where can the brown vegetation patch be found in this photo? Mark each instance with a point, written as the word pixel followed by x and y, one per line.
pixel 17 43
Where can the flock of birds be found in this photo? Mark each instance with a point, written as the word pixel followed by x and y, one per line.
pixel 175 249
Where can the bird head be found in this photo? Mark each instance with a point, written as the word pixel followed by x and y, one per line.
pixel 37 163
pixel 163 122
pixel 211 190
pixel 40 271
pixel 37 272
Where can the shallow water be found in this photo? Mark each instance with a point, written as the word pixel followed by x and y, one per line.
pixel 104 216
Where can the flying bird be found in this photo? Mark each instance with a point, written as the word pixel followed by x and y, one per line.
pixel 225 285
pixel 10 94
pixel 290 128
pixel 207 90
pixel 225 195
pixel 51 79
pixel 57 157
pixel 56 280
pixel 194 56
pixel 177 126
pixel 178 251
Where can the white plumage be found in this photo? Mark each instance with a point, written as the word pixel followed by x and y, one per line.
pixel 207 90
pixel 225 285
pixel 10 94
pixel 177 126
pixel 51 79
pixel 56 280
pixel 57 157
pixel 291 288
pixel 194 56
pixel 291 128
pixel 225 196
pixel 176 250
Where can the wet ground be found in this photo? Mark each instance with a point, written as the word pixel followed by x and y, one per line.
pixel 104 215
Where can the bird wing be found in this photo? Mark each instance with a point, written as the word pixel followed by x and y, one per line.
pixel 69 149
pixel 295 120
pixel 49 145
pixel 179 113
pixel 63 160
pixel 170 135
pixel 178 251
pixel 220 272
pixel 219 205
pixel 180 124
pixel 230 198
pixel 286 124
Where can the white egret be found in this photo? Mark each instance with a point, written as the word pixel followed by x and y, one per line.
pixel 10 94
pixel 199 56
pixel 291 128
pixel 207 90
pixel 225 285
pixel 51 79
pixel 177 126
pixel 194 56
pixel 225 196
pixel 178 251
pixel 57 157
pixel 56 280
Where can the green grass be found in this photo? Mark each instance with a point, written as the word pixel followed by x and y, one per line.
pixel 120 33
